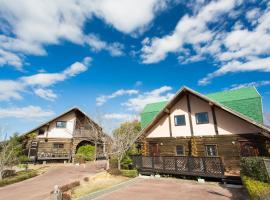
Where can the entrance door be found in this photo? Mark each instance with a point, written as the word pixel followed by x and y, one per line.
pixel 248 148
pixel 153 149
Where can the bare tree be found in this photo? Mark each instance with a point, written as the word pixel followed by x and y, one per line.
pixel 124 138
pixel 8 152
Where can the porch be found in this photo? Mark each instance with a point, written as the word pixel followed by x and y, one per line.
pixel 180 165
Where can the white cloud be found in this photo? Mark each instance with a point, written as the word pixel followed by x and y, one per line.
pixel 191 30
pixel 48 79
pixel 47 94
pixel 11 89
pixel 255 84
pixel 262 64
pixel 63 20
pixel 127 15
pixel 120 116
pixel 104 98
pixel 9 58
pixel 28 113
pixel 137 103
pixel 96 44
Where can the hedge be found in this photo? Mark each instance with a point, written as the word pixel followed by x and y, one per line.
pixel 257 190
pixel 20 176
pixel 254 167
pixel 129 173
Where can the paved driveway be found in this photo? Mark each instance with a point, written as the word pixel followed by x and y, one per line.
pixel 38 188
pixel 173 189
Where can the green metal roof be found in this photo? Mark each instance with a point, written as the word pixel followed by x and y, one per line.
pixel 246 101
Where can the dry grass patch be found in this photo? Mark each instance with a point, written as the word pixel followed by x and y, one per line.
pixel 100 181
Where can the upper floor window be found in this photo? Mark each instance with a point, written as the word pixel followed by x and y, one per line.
pixel 58 145
pixel 61 124
pixel 179 120
pixel 202 118
pixel 180 150
pixel 41 131
pixel 211 150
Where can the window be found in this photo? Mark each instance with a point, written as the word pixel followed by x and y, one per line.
pixel 179 120
pixel 61 124
pixel 211 150
pixel 180 150
pixel 202 118
pixel 41 132
pixel 58 145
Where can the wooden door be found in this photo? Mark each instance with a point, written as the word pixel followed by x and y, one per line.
pixel 153 149
pixel 248 148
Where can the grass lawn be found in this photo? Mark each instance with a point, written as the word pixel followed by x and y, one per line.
pixel 19 176
pixel 100 181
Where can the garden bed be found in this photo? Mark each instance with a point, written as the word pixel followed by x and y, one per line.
pixel 19 176
pixel 101 181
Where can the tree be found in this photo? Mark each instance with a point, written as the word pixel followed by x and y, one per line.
pixel 124 137
pixel 9 151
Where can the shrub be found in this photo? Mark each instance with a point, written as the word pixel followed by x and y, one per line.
pixel 87 152
pixel 79 158
pixel 257 190
pixel 20 176
pixel 126 162
pixel 115 171
pixel 130 173
pixel 254 167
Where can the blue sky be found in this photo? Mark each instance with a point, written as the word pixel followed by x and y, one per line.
pixel 111 57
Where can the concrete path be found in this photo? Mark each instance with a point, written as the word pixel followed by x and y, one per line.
pixel 39 188
pixel 173 189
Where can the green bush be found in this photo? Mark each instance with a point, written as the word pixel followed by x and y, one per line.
pixel 126 162
pixel 87 152
pixel 254 167
pixel 20 176
pixel 257 190
pixel 129 173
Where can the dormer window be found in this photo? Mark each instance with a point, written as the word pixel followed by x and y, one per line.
pixel 61 124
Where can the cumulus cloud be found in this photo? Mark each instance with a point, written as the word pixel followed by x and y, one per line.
pixel 191 30
pixel 104 98
pixel 12 89
pixel 251 84
pixel 137 103
pixel 47 94
pixel 27 113
pixel 96 44
pixel 236 48
pixel 120 116
pixel 58 20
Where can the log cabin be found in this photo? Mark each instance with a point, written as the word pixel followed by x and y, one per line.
pixel 203 135
pixel 59 138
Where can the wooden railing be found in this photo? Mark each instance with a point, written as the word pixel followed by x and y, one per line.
pixel 181 165
pixel 53 156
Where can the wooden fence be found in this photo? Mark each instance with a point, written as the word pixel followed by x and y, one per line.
pixel 180 165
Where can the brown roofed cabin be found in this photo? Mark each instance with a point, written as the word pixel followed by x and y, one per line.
pixel 60 137
pixel 203 135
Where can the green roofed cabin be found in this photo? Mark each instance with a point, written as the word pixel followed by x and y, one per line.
pixel 246 101
pixel 223 126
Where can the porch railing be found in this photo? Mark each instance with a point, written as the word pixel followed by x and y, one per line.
pixel 181 165
pixel 53 156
